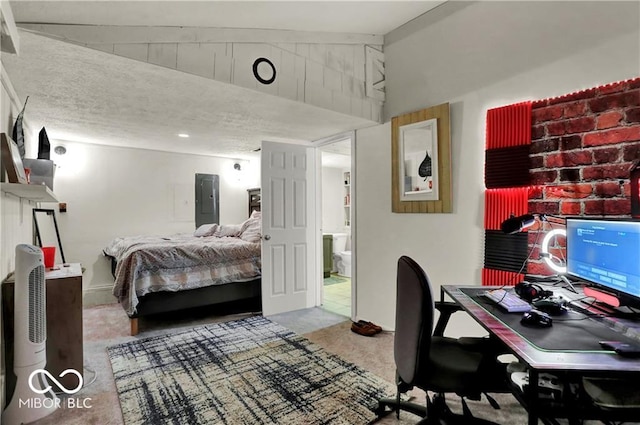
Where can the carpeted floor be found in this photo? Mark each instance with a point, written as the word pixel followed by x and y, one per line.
pixel 108 325
pixel 376 355
pixel 241 372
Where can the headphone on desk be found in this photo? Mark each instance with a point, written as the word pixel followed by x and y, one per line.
pixel 530 291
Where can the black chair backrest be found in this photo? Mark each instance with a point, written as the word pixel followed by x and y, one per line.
pixel 414 320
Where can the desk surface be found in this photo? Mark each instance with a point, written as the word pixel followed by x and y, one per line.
pixel 534 357
pixel 61 271
pixel 58 271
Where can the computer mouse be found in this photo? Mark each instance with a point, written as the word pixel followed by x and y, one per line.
pixel 551 305
pixel 536 318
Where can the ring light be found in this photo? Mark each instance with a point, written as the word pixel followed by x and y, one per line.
pixel 545 250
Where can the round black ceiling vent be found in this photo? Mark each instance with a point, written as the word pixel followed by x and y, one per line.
pixel 264 71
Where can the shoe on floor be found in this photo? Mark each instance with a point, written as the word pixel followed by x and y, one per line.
pixel 377 328
pixel 363 329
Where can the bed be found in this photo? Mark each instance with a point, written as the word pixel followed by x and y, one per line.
pixel 213 265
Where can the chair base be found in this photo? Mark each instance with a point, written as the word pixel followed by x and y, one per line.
pixel 393 404
pixel 435 413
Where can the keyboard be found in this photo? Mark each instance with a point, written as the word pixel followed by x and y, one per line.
pixel 508 301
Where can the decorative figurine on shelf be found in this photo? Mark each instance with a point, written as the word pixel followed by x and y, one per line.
pixel 18 132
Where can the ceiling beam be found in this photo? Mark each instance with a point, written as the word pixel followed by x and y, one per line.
pixel 108 34
pixel 10 40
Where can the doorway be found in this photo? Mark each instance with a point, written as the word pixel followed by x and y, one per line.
pixel 336 222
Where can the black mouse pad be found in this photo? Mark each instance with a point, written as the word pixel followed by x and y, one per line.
pixel 571 331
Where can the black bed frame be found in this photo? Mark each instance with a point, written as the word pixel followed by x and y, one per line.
pixel 164 302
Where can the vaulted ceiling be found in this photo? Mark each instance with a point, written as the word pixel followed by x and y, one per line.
pixel 87 95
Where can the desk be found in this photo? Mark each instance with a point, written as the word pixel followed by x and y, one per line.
pixel 569 366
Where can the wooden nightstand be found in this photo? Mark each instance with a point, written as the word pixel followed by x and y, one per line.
pixel 64 324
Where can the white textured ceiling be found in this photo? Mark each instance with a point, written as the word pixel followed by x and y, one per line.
pixel 84 95
pixel 360 17
pixel 337 154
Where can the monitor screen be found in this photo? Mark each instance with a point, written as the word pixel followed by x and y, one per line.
pixel 605 252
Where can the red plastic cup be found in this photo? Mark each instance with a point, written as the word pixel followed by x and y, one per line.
pixel 49 256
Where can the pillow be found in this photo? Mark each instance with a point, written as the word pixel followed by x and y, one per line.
pixel 205 230
pixel 251 230
pixel 228 230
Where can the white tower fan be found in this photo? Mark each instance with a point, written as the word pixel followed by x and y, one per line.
pixel 30 340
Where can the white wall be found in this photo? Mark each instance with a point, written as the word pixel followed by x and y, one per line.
pixel 15 213
pixel 332 200
pixel 475 57
pixel 112 192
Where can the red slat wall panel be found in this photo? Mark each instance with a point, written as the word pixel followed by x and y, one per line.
pixel 499 204
pixel 509 126
pixel 492 277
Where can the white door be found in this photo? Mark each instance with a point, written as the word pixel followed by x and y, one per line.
pixel 288 223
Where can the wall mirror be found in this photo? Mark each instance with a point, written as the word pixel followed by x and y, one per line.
pixel 421 161
pixel 46 231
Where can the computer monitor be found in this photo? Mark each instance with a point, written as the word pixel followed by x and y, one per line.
pixel 606 254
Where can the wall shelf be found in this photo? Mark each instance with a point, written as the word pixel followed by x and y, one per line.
pixel 347 198
pixel 32 192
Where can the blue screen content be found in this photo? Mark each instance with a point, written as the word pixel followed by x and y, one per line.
pixel 605 252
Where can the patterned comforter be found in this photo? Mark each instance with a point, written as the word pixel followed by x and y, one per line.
pixel 179 262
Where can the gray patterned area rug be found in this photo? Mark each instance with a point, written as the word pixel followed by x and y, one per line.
pixel 249 371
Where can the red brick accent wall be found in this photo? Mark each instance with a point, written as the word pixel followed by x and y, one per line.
pixel 582 149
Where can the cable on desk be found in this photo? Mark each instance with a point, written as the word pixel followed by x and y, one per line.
pixel 95 376
pixel 587 314
pixel 580 299
pixel 524 264
pixel 526 260
pixel 605 311
pixel 503 295
pixel 577 319
pixel 86 385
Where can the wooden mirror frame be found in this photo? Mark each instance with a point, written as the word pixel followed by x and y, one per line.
pixel 444 203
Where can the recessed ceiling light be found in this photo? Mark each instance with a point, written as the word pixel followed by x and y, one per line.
pixel 183 135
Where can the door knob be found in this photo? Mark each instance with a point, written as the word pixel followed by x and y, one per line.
pixel 267 237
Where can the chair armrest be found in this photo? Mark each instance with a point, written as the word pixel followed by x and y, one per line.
pixel 446 309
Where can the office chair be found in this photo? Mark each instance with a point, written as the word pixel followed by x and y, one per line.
pixel 432 362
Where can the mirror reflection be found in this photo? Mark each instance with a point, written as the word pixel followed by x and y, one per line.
pixel 419 165
pixel 46 231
